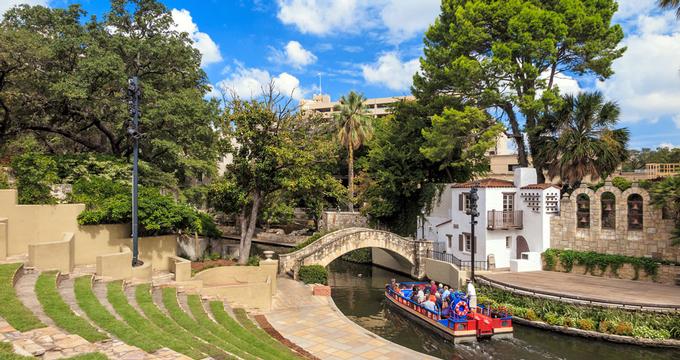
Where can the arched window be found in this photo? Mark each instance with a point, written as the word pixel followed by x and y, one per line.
pixel 608 202
pixel 583 211
pixel 635 212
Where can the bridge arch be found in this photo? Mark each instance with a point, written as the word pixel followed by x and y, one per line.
pixel 333 245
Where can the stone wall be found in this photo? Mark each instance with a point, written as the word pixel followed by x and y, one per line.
pixel 666 274
pixel 334 220
pixel 653 240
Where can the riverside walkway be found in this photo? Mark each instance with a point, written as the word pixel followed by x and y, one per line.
pixel 315 324
pixel 630 293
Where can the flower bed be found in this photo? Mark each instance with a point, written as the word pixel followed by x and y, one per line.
pixel 655 326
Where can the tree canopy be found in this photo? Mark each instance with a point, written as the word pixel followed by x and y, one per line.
pixel 504 55
pixel 63 79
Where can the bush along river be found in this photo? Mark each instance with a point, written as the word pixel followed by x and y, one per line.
pixel 358 291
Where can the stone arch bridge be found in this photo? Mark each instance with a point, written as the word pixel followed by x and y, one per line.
pixel 333 245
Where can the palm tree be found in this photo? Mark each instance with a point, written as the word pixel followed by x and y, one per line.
pixel 577 138
pixel 354 129
pixel 671 4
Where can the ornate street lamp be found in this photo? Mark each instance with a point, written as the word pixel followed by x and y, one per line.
pixel 472 211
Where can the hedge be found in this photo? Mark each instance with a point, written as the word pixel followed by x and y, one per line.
pixel 593 260
pixel 313 274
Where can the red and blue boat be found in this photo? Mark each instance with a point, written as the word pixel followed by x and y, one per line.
pixel 463 325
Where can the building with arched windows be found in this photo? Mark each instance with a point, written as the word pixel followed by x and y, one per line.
pixel 612 221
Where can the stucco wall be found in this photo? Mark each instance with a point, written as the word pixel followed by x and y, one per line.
pixel 57 255
pixel 115 266
pixel 652 240
pixel 444 272
pixel 3 238
pixel 391 261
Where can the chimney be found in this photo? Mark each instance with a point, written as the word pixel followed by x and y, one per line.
pixel 524 176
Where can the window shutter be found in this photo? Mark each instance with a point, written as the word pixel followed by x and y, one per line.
pixel 461 200
pixel 461 242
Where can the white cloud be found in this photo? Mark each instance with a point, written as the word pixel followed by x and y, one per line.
pixel 668 145
pixel 210 52
pixel 406 18
pixel 322 17
pixel 646 83
pixel 632 8
pixel 8 4
pixel 676 120
pixel 294 55
pixel 566 84
pixel 250 82
pixel 391 72
pixel 402 19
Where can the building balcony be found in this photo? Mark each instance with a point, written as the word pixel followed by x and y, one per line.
pixel 504 220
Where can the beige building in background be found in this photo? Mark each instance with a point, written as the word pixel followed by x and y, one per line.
pixel 377 107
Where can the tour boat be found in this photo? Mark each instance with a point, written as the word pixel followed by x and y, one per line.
pixel 463 326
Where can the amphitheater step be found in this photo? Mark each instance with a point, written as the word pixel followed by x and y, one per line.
pixel 99 289
pixel 25 289
pixel 184 304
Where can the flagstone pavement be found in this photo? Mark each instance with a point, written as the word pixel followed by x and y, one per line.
pixel 315 324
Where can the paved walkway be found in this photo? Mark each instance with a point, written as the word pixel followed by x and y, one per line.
pixel 603 289
pixel 315 324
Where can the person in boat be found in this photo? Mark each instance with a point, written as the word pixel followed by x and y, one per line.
pixel 430 304
pixel 433 287
pixel 472 295
pixel 446 309
pixel 446 293
pixel 421 296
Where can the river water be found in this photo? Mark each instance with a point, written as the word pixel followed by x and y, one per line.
pixel 358 291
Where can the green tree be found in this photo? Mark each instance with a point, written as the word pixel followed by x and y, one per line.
pixel 672 5
pixel 35 173
pixel 278 151
pixel 354 130
pixel 578 138
pixel 459 140
pixel 501 54
pixel 665 194
pixel 64 78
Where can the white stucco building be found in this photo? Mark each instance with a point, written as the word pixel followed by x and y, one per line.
pixel 513 222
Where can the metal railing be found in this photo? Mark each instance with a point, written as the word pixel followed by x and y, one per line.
pixel 497 220
pixel 452 259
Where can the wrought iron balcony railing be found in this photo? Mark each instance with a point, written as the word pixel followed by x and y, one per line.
pixel 504 220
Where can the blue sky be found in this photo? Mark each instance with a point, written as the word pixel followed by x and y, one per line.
pixel 373 46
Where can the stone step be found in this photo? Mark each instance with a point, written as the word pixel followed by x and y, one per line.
pixel 25 289
pixel 184 303
pixel 99 289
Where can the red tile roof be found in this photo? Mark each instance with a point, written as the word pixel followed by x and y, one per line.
pixel 540 186
pixel 486 183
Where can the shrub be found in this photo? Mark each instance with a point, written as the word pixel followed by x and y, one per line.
pixel 592 261
pixel 4 180
pixel 621 183
pixel 623 328
pixel 586 324
pixel 549 256
pixel 253 261
pixel 313 274
pixel 208 227
pixel 604 326
pixel 158 214
pixel 554 319
pixel 35 173
pixel 649 333
pixel 530 315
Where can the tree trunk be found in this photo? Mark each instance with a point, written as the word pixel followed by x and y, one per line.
pixel 517 136
pixel 350 176
pixel 249 225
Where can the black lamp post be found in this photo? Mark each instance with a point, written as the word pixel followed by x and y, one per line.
pixel 133 132
pixel 472 211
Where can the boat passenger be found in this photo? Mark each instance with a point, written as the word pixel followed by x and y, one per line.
pixel 421 296
pixel 430 304
pixel 472 295
pixel 433 287
pixel 446 293
pixel 446 309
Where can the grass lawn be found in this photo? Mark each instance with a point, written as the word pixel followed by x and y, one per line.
pixel 60 312
pixel 11 308
pixel 233 333
pixel 263 339
pixel 184 320
pixel 105 320
pixel 119 301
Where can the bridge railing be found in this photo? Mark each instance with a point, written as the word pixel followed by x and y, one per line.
pixel 461 264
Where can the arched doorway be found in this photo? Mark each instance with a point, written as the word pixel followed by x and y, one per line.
pixel 522 246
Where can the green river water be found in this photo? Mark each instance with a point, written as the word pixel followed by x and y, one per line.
pixel 357 290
